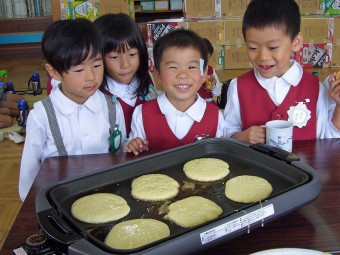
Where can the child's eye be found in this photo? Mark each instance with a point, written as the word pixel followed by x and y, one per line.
pixel 252 48
pixel 78 70
pixel 273 48
pixel 192 67
pixel 97 65
pixel 133 54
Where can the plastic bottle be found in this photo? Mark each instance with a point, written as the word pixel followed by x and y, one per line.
pixel 23 112
pixel 34 84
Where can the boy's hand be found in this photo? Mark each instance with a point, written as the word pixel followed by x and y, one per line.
pixel 136 145
pixel 210 82
pixel 334 87
pixel 254 134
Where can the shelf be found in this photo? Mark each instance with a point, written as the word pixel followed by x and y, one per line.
pixel 24 24
pixel 146 16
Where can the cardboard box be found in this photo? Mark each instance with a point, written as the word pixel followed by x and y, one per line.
pixel 201 8
pixel 317 29
pixel 217 58
pixel 231 8
pixel 233 32
pixel 147 5
pixel 309 7
pixel 330 7
pixel 161 5
pixel 176 5
pixel 336 32
pixel 213 30
pixel 336 55
pixel 156 29
pixel 315 55
pixel 236 57
pixel 104 6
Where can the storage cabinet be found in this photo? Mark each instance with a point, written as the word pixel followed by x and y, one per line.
pixel 151 10
pixel 22 36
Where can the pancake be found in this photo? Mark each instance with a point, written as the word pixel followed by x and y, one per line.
pixel 135 233
pixel 247 189
pixel 154 187
pixel 100 208
pixel 192 211
pixel 206 169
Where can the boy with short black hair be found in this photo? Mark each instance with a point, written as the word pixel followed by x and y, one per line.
pixel 278 87
pixel 179 115
pixel 76 118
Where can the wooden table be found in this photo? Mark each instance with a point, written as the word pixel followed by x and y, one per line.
pixel 315 226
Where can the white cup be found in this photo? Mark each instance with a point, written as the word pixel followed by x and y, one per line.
pixel 279 133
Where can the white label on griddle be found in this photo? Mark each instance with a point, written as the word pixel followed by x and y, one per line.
pixel 236 224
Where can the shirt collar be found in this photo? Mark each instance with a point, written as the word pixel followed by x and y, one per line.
pixel 196 111
pixel 292 76
pixel 120 89
pixel 67 106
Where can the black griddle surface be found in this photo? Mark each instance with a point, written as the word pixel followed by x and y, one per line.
pixel 282 176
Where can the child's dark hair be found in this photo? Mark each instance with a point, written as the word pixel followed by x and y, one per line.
pixel 117 31
pixel 180 38
pixel 210 47
pixel 280 14
pixel 67 43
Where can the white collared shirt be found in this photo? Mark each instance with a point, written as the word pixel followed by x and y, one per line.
pixel 179 122
pixel 84 129
pixel 277 88
pixel 126 92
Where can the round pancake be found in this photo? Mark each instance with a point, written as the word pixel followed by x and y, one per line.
pixel 135 233
pixel 100 208
pixel 192 211
pixel 247 189
pixel 206 169
pixel 154 187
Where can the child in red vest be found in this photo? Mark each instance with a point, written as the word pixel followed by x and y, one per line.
pixel 278 87
pixel 212 85
pixel 179 115
pixel 126 63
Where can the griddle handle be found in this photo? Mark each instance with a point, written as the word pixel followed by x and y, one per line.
pixel 275 152
pixel 56 228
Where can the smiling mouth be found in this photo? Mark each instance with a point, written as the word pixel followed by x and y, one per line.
pixel 183 86
pixel 266 67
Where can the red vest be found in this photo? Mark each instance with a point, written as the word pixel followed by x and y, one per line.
pixel 202 92
pixel 257 108
pixel 159 134
pixel 127 110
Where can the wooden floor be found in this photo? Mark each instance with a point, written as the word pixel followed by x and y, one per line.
pixel 19 70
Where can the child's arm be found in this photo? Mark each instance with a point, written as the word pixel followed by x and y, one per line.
pixel 137 138
pixel 334 93
pixel 254 134
pixel 33 150
pixel 136 146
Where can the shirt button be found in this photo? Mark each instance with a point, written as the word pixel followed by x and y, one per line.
pixel 85 134
pixel 80 107
pixel 278 116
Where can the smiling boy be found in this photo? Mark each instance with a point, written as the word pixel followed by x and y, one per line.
pixel 278 87
pixel 179 115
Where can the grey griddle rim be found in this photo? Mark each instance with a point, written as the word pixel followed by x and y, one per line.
pixel 190 242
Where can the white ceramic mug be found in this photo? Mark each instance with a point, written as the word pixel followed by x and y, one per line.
pixel 279 133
